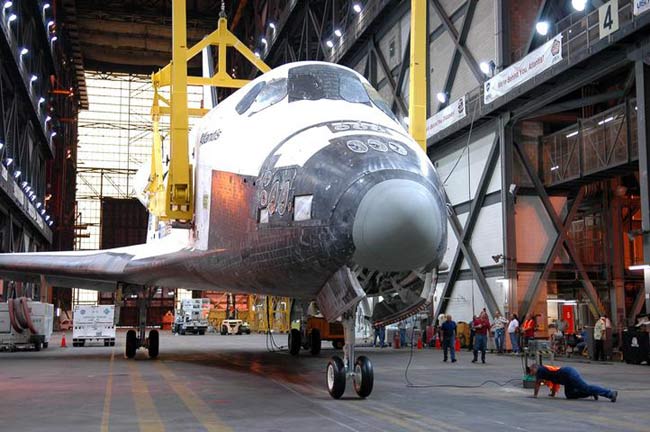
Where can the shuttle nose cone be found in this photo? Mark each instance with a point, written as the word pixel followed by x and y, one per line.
pixel 397 226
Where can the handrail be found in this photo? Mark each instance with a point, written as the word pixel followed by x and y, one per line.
pixel 580 32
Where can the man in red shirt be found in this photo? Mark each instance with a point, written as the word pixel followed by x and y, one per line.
pixel 481 327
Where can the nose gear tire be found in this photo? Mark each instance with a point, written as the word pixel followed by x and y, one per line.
pixel 363 376
pixel 335 377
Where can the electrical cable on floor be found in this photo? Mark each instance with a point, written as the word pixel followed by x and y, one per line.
pixel 410 384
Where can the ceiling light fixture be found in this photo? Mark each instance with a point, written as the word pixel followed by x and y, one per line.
pixel 542 28
pixel 579 5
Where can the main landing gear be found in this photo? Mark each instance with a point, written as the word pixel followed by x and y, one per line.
pixel 135 340
pixel 339 370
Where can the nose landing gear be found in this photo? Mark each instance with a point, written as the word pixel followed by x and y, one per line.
pixel 339 370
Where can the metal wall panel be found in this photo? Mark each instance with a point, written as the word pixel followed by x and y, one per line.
pixel 534 229
pixel 462 175
pixel 488 235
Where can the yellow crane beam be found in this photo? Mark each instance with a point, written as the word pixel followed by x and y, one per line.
pixel 175 201
pixel 418 73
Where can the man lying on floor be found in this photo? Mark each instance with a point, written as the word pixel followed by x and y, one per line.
pixel 574 386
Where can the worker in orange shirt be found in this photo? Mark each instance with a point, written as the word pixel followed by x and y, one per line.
pixel 529 329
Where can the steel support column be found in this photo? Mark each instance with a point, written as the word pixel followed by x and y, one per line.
pixel 643 124
pixel 508 211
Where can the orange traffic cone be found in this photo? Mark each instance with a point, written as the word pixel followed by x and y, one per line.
pixel 419 343
pixel 63 344
pixel 437 343
pixel 457 346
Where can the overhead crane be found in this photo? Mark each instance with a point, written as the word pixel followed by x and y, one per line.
pixel 174 201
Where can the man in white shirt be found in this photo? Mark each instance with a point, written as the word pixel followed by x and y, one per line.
pixel 499 329
pixel 600 334
pixel 513 333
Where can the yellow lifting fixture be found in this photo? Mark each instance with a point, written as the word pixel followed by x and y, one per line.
pixel 418 73
pixel 175 202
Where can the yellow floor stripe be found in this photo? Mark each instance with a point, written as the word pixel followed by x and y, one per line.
pixel 444 425
pixel 194 403
pixel 108 394
pixel 366 409
pixel 148 418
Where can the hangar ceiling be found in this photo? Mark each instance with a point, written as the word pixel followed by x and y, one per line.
pixel 135 36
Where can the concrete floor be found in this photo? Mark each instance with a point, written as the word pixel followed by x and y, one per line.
pixel 223 383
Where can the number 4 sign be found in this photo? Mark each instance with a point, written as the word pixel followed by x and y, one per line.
pixel 608 18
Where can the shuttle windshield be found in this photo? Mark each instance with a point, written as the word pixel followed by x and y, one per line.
pixel 312 82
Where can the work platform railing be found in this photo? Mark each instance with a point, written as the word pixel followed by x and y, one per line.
pixel 590 147
pixel 580 40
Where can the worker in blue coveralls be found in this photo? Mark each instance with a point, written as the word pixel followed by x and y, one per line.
pixel 574 386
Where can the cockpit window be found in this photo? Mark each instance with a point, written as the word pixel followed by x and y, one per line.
pixel 274 91
pixel 379 101
pixel 352 90
pixel 249 97
pixel 314 82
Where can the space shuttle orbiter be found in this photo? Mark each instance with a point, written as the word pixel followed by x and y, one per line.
pixel 307 186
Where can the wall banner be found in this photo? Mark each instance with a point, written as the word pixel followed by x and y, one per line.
pixel 446 117
pixel 525 69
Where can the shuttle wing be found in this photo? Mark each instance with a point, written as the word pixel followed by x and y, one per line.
pixel 165 262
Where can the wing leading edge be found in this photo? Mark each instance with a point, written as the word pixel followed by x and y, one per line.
pixel 166 262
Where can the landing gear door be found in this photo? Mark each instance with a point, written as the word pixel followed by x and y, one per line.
pixel 341 292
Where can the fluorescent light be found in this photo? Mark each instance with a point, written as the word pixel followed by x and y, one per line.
pixel 46 6
pixel 50 23
pixel 639 267
pixel 39 205
pixel 329 43
pixel 7 5
pixel 47 119
pixel 607 120
pixel 572 134
pixel 50 223
pixel 53 134
pixel 542 28
pixel 9 161
pixel 12 18
pixel 356 7
pixel 42 211
pixel 23 184
pixel 24 51
pixel 338 32
pixel 579 5
pixel 33 78
pixel 17 173
pixel 47 218
pixel 264 41
pixel 442 97
pixel 272 25
pixel 554 168
pixel 54 39
pixel 556 300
